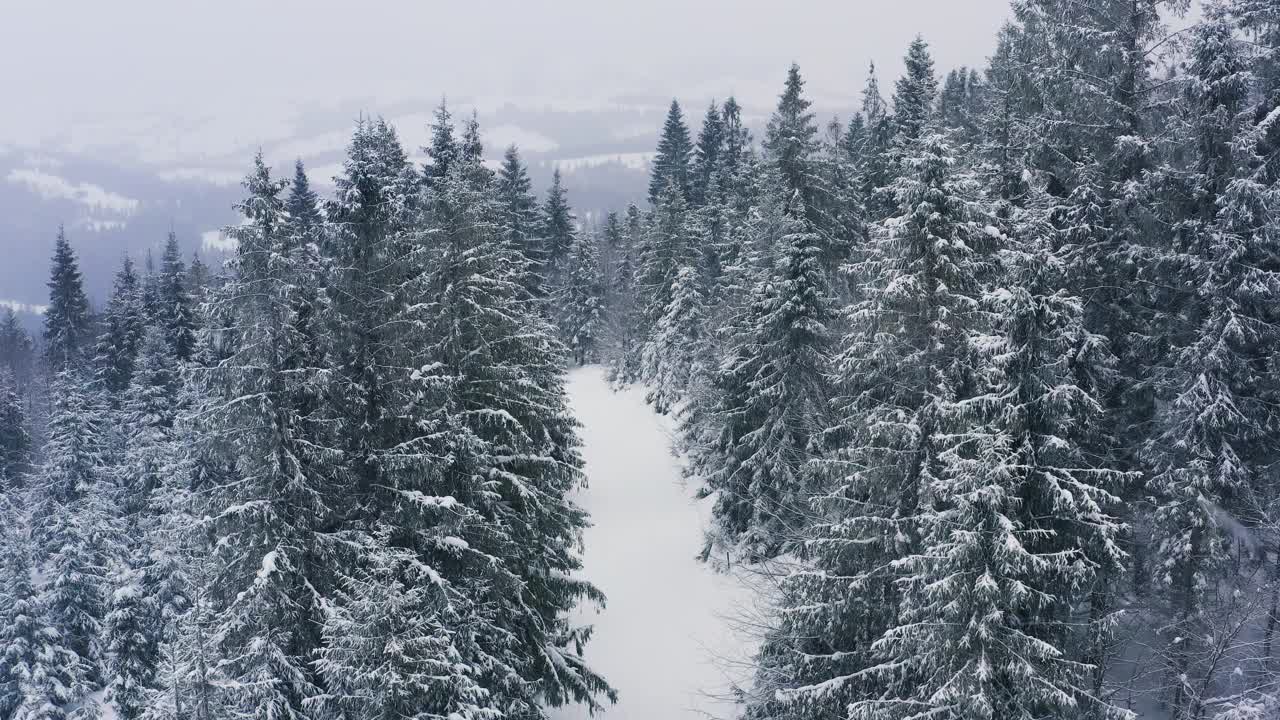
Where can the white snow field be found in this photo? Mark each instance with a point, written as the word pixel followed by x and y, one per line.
pixel 667 633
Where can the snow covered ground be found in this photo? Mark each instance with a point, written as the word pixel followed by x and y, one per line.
pixel 666 641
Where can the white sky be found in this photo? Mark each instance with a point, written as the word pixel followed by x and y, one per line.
pixel 85 69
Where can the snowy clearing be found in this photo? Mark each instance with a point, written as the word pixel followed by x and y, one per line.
pixel 665 637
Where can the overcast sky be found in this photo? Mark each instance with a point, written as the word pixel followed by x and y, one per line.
pixel 79 69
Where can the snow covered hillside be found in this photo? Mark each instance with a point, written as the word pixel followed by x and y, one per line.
pixel 665 636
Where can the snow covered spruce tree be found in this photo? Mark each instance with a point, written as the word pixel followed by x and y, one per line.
pixel 67 324
pixel 762 484
pixel 674 299
pixel 122 324
pixel 584 300
pixel 404 536
pixel 40 676
pixel 1017 532
pixel 492 372
pixel 174 310
pixel 518 218
pixel 671 163
pixel 143 593
pixel 72 522
pixel 15 436
pixel 16 350
pixel 626 302
pixel 366 251
pixel 1215 430
pixel 791 145
pixel 266 510
pixel 906 361
pixel 558 229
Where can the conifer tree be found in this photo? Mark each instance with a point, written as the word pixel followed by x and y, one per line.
pixel 16 351
pixel 668 252
pixel 366 235
pixel 960 103
pixel 175 311
pixel 444 150
pixel 763 484
pixel 122 324
pixel 391 650
pixel 304 233
pixel 791 139
pixel 1215 430
pixel 71 514
pixel 491 376
pixel 671 163
pixel 584 300
pixel 471 150
pixel 986 624
pixel 558 228
pixel 904 361
pixel 792 148
pixel 265 511
pixel 869 149
pixel 67 325
pixel 15 436
pixel 40 677
pixel 130 642
pixel 914 94
pixel 735 143
pixel 625 309
pixel 199 278
pixel 670 358
pixel 519 220
pixel 144 595
pixel 706 156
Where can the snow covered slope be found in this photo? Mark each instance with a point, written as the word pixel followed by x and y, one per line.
pixel 665 635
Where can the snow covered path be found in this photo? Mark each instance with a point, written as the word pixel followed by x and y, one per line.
pixel 663 637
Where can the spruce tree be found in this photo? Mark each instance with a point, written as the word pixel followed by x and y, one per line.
pixel 791 139
pixel 122 324
pixel 15 436
pixel 519 220
pixel 869 149
pixel 706 156
pixel 584 301
pixel 266 508
pixel 792 149
pixel 175 311
pixel 669 262
pixel 71 511
pixel 40 676
pixel 492 381
pixel 987 622
pixel 960 103
pixel 736 140
pixel 444 150
pixel 368 217
pixel 671 163
pixel 1215 430
pixel 914 94
pixel 16 350
pixel 625 309
pixel 391 650
pixel 905 360
pixel 67 324
pixel 130 642
pixel 558 229
pixel 763 485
